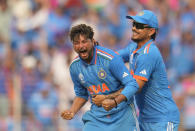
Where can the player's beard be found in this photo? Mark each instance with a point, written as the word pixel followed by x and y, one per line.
pixel 88 56
pixel 136 37
pixel 136 40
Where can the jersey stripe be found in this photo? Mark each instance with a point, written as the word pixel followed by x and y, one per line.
pixel 95 55
pixel 135 117
pixel 148 47
pixel 170 126
pixel 146 50
pixel 140 78
pixel 117 53
pixel 132 72
pixel 105 54
pixel 135 51
pixel 75 59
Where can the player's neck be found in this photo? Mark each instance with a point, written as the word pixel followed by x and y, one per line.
pixel 142 43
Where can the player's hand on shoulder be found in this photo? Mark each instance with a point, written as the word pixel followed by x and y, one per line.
pixel 67 114
pixel 97 99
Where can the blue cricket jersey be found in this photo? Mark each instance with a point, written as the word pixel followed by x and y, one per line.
pixel 155 100
pixel 105 74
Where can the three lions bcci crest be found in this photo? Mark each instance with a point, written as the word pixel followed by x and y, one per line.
pixel 102 74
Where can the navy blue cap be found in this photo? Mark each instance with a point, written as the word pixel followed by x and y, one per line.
pixel 145 17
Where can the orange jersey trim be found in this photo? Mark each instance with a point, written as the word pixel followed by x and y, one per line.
pixel 148 46
pixel 116 52
pixel 132 72
pixel 95 55
pixel 105 53
pixel 135 51
pixel 140 77
pixel 75 58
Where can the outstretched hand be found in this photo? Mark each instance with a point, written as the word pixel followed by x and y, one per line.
pixel 67 114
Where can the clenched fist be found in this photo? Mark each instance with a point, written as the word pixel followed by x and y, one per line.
pixel 108 104
pixel 67 114
pixel 97 99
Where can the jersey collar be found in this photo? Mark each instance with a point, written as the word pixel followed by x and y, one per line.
pixel 143 47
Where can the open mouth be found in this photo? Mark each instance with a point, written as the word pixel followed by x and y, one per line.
pixel 83 54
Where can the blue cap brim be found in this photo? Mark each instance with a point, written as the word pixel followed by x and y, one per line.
pixel 129 17
pixel 137 19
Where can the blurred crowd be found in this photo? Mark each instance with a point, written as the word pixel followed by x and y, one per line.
pixel 35 54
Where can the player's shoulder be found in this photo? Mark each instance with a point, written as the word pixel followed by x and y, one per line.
pixel 75 62
pixel 151 52
pixel 132 44
pixel 151 49
pixel 106 53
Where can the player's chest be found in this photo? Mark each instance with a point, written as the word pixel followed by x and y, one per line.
pixel 93 74
pixel 133 58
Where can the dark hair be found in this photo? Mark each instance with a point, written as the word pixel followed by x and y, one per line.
pixel 81 29
pixel 154 35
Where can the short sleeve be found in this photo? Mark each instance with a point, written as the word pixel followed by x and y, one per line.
pixel 124 53
pixel 145 65
pixel 80 91
pixel 120 71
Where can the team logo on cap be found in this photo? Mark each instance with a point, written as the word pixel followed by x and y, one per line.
pixel 141 13
pixel 102 74
pixel 81 77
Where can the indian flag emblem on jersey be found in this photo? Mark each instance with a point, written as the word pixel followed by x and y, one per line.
pixel 102 74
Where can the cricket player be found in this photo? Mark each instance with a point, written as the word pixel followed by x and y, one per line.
pixel 158 111
pixel 98 70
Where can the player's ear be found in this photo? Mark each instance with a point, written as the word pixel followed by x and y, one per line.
pixel 93 41
pixel 152 31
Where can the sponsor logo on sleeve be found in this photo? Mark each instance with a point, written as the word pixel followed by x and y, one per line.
pixel 125 74
pixel 143 72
